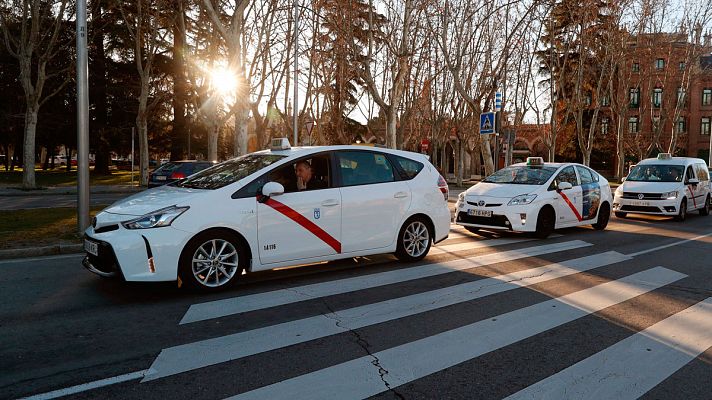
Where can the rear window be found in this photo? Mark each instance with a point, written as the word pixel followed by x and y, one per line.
pixel 410 168
pixel 167 168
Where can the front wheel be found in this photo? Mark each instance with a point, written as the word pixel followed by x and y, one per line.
pixel 212 261
pixel 682 214
pixel 705 210
pixel 545 223
pixel 414 240
pixel 604 215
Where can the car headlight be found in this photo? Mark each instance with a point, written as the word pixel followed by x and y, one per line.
pixel 669 195
pixel 461 197
pixel 155 219
pixel 619 191
pixel 522 199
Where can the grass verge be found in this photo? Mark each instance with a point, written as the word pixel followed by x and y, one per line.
pixel 40 227
pixel 64 178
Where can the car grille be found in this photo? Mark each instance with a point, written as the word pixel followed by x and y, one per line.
pixel 106 260
pixel 495 220
pixel 646 196
pixel 472 203
pixel 640 209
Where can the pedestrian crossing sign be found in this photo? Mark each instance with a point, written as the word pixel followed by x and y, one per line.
pixel 487 123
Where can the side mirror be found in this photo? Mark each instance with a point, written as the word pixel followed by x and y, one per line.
pixel 693 181
pixel 565 186
pixel 272 189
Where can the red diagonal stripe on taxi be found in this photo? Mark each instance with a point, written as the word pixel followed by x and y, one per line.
pixel 571 206
pixel 692 194
pixel 305 223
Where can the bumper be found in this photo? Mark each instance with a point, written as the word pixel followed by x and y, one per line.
pixel 147 255
pixel 655 207
pixel 510 218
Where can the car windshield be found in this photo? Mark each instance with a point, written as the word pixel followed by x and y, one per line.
pixel 656 173
pixel 229 172
pixel 522 175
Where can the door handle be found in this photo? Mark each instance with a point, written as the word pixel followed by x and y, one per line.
pixel 330 203
pixel 400 195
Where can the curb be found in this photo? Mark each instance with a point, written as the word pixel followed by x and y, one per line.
pixel 41 251
pixel 29 193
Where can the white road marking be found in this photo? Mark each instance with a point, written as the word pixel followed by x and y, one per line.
pixel 240 304
pixel 208 352
pixel 367 376
pixel 669 245
pixel 479 244
pixel 87 386
pixel 633 366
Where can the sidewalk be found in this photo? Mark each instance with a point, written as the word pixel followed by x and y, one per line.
pixel 70 190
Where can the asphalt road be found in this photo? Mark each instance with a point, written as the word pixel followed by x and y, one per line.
pixel 623 313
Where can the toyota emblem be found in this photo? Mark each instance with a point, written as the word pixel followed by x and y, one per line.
pixel 640 196
pixel 481 203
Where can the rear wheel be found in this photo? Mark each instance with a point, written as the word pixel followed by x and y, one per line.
pixel 604 215
pixel 414 240
pixel 682 214
pixel 212 261
pixel 545 223
pixel 621 214
pixel 705 210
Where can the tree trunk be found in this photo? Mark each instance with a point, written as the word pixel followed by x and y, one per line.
pixel 142 124
pixel 391 141
pixel 487 156
pixel 179 131
pixel 460 163
pixel 28 170
pixel 98 93
pixel 214 131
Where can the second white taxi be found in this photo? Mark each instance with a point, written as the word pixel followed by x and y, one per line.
pixel 536 197
pixel 273 208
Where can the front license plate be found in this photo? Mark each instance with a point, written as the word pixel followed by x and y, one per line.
pixel 91 247
pixel 641 203
pixel 479 213
pixel 160 178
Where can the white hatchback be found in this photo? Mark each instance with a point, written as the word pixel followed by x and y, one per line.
pixel 536 197
pixel 270 209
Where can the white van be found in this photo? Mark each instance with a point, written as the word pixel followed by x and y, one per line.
pixel 665 185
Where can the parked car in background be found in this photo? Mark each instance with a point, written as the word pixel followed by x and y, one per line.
pixel 176 170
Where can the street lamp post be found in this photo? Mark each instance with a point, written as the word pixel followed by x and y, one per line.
pixel 82 119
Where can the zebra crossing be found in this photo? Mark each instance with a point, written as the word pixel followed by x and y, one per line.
pixel 626 369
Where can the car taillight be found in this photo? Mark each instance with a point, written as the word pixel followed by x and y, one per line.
pixel 442 185
pixel 177 175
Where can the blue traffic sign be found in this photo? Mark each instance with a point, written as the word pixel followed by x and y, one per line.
pixel 498 101
pixel 487 123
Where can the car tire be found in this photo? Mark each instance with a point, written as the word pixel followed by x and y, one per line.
pixel 414 240
pixel 472 229
pixel 225 260
pixel 705 210
pixel 682 214
pixel 604 215
pixel 621 214
pixel 545 223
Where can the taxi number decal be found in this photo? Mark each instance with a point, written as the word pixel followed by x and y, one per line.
pixel 571 206
pixel 305 223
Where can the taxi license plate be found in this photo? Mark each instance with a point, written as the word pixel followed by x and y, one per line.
pixel 479 213
pixel 641 203
pixel 91 247
pixel 161 178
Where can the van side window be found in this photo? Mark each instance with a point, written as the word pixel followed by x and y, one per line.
pixel 702 173
pixel 364 167
pixel 689 174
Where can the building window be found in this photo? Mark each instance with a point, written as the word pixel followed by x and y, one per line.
pixel 633 125
pixel 636 67
pixel 681 94
pixel 660 63
pixel 605 101
pixel 657 97
pixel 656 123
pixel 682 65
pixel 705 126
pixel 680 125
pixel 706 97
pixel 604 126
pixel 634 97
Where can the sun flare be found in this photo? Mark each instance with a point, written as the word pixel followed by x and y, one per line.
pixel 224 81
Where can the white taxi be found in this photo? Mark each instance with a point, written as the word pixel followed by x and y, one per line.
pixel 665 185
pixel 274 208
pixel 536 197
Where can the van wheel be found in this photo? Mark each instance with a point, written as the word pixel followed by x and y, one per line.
pixel 604 215
pixel 621 214
pixel 414 240
pixel 212 261
pixel 545 223
pixel 705 210
pixel 682 214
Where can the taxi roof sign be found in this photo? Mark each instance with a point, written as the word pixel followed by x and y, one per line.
pixel 535 161
pixel 280 144
pixel 664 156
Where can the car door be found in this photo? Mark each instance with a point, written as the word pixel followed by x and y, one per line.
pixel 694 192
pixel 374 200
pixel 300 224
pixel 567 203
pixel 590 193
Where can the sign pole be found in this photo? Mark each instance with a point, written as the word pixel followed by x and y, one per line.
pixel 82 119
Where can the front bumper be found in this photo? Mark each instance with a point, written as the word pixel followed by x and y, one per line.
pixel 655 207
pixel 104 263
pixel 504 217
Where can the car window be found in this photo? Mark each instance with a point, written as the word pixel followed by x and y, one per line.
pixel 585 175
pixel 689 174
pixel 364 167
pixel 167 168
pixel 410 168
pixel 702 172
pixel 229 172
pixel 566 175
pixel 288 176
pixel 522 175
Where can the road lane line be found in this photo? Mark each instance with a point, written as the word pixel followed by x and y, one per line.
pixel 471 245
pixel 665 246
pixel 368 376
pixel 191 356
pixel 88 386
pixel 240 304
pixel 635 365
